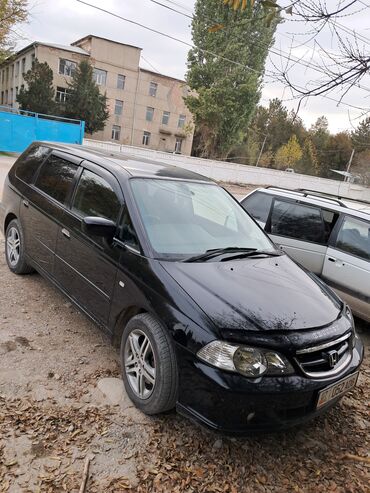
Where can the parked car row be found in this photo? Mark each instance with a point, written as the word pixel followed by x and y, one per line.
pixel 328 235
pixel 210 316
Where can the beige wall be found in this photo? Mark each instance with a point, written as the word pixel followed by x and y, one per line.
pixel 10 80
pixel 116 58
pixel 52 57
pixel 169 97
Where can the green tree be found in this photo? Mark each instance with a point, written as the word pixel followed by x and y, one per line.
pixel 361 166
pixel 277 124
pixel 84 101
pixel 12 12
pixel 361 136
pixel 39 94
pixel 226 93
pixel 309 163
pixel 319 134
pixel 289 154
pixel 338 151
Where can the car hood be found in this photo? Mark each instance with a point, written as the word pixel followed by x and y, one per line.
pixel 270 293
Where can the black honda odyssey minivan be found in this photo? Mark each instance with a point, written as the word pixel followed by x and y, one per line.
pixel 210 317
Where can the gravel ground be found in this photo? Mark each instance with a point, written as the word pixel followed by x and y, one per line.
pixel 61 402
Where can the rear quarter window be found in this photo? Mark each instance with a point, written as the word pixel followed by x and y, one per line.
pixel 29 162
pixel 258 206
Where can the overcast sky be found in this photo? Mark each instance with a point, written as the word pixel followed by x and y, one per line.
pixel 64 21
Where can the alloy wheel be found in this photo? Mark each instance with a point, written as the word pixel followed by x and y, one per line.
pixel 13 245
pixel 139 364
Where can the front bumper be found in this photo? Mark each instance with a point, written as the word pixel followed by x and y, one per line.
pixel 233 404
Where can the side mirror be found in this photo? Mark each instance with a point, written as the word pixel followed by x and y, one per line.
pixel 98 226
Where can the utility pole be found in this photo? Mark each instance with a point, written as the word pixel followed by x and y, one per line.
pixel 349 164
pixel 261 151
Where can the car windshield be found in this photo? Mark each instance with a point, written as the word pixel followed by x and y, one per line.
pixel 183 218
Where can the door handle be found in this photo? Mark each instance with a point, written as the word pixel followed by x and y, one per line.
pixel 26 203
pixel 66 233
pixel 331 259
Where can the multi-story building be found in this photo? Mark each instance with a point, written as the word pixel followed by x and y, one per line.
pixel 146 108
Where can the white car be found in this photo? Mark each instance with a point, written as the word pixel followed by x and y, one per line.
pixel 328 235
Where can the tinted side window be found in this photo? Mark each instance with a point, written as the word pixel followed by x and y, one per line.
pixel 129 235
pixel 297 221
pixel 258 206
pixel 95 197
pixel 30 161
pixel 56 178
pixel 354 237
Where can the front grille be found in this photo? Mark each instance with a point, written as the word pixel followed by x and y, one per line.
pixel 325 359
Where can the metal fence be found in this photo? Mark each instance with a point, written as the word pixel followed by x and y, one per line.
pixel 19 128
pixel 240 173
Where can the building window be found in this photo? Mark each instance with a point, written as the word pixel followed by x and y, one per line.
pixel 33 58
pixel 116 132
pixel 12 72
pixel 121 79
pixel 2 97
pixel 6 97
pixel 100 76
pixel 149 114
pixel 61 94
pixel 178 145
pixel 66 67
pixel 165 117
pixel 153 89
pixel 11 96
pixel 16 69
pixel 16 91
pixel 2 76
pixel 118 107
pixel 23 65
pixel 146 138
pixel 182 119
pixel 7 74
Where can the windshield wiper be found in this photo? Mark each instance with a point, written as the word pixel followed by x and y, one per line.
pixel 255 253
pixel 214 252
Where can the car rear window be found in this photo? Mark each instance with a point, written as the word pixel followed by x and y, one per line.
pixel 258 205
pixel 298 221
pixel 56 178
pixel 29 162
pixel 354 238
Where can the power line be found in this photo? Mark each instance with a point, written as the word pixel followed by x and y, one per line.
pixel 190 45
pixel 150 64
pixel 169 36
pixel 274 50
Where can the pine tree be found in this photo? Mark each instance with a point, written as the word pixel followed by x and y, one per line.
pixel 226 93
pixel 361 136
pixel 84 101
pixel 309 163
pixel 39 94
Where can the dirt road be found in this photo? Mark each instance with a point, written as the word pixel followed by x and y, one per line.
pixel 61 401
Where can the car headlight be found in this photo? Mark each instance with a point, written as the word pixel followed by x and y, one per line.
pixel 349 316
pixel 248 361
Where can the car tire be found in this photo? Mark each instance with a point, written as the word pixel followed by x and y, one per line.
pixel 15 249
pixel 149 367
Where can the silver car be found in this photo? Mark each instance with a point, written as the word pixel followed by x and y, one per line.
pixel 328 235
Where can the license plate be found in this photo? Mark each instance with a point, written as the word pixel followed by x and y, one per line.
pixel 336 390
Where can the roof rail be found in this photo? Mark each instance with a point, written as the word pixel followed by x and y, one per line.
pixel 304 193
pixel 338 197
